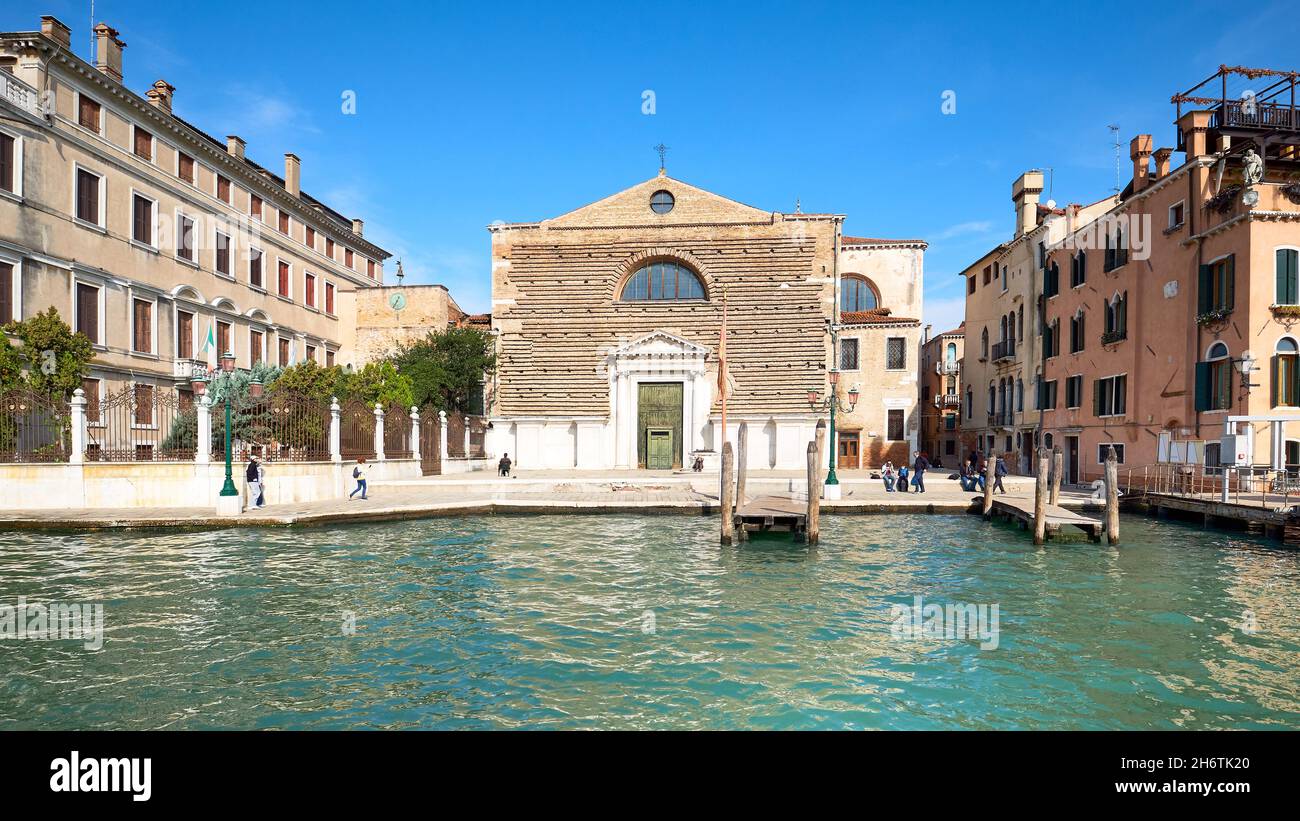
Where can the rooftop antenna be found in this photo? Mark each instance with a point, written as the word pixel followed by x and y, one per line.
pixel 1051 180
pixel 92 30
pixel 1114 133
pixel 400 272
pixel 798 205
pixel 663 152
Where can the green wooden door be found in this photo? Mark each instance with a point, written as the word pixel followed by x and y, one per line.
pixel 659 449
pixel 659 407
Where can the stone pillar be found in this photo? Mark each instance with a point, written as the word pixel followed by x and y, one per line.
pixel 203 440
pixel 78 454
pixel 442 436
pixel 415 432
pixel 379 432
pixel 336 448
pixel 466 434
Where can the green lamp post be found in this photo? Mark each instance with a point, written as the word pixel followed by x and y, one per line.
pixel 832 403
pixel 255 390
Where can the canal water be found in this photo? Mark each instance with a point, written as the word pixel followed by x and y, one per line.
pixel 644 622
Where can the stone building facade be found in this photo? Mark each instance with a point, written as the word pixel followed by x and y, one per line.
pixel 609 317
pixel 163 244
pixel 382 319
pixel 941 363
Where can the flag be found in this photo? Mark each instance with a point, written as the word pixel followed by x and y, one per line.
pixel 211 341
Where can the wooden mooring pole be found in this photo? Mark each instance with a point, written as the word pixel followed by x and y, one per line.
pixel 1112 496
pixel 728 492
pixel 811 533
pixel 742 462
pixel 990 471
pixel 1058 466
pixel 1040 498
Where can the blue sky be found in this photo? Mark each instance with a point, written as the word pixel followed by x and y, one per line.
pixel 473 112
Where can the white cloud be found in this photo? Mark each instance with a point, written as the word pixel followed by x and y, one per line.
pixel 944 314
pixel 964 228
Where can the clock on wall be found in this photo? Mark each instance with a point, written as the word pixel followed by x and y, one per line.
pixel 397 301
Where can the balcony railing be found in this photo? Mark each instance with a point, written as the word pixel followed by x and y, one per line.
pixel 188 368
pixel 19 93
pixel 1006 349
pixel 946 368
pixel 947 400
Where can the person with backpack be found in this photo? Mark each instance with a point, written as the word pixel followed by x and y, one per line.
pixel 999 470
pixel 359 473
pixel 255 474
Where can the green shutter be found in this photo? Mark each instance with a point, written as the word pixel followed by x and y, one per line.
pixel 1230 281
pixel 1204 290
pixel 1275 368
pixel 1202 386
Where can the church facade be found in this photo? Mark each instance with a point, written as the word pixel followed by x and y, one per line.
pixel 608 322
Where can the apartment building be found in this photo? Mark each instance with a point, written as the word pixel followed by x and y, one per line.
pixel 1178 321
pixel 940 409
pixel 164 245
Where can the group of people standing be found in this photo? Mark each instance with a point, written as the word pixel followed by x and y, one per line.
pixel 898 479
pixel 973 471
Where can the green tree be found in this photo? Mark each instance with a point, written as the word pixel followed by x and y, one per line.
pixel 381 382
pixel 56 359
pixel 312 381
pixel 11 365
pixel 448 367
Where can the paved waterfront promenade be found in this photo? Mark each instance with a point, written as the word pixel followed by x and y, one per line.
pixel 588 492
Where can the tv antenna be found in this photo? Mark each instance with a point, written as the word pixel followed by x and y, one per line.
pixel 1114 133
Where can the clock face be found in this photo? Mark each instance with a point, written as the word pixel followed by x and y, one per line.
pixel 397 301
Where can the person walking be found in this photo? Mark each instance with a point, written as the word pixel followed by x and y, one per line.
pixel 919 467
pixel 359 473
pixel 999 470
pixel 256 475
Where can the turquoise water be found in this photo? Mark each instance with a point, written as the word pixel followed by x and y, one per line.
pixel 541 622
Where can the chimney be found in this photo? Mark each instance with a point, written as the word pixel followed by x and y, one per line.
pixel 358 226
pixel 292 174
pixel 1193 126
pixel 1139 151
pixel 160 96
pixel 1162 162
pixel 235 146
pixel 108 51
pixel 56 31
pixel 1024 193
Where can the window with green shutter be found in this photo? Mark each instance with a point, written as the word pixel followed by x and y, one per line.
pixel 1288 278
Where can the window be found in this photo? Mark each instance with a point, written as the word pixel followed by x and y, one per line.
pixel 6 293
pixel 1074 391
pixel 254 206
pixel 1286 373
pixel 1004 277
pixel 1103 450
pixel 1175 215
pixel 88 113
pixel 1288 280
pixel 894 426
pixel 329 248
pixel 184 335
pixel 661 281
pixel 185 167
pixel 284 222
pixel 311 352
pixel 661 202
pixel 1215 286
pixel 282 280
pixel 1116 248
pixel 1116 318
pixel 1052 338
pixel 90 387
pixel 329 297
pixel 309 237
pixel 1052 280
pixel 1076 332
pixel 142 327
pixel 309 289
pixel 185 237
pixel 223 189
pixel 856 294
pixel 143 144
pixel 370 268
pixel 143 409
pixel 283 352
pixel 970 285
pixel 255 267
pixel 1108 396
pixel 1047 395
pixel 142 219
pixel 347 257
pixel 1078 269
pixel 254 347
pixel 88 311
pixel 329 359
pixel 895 353
pixel 848 354
pixel 222 260
pixel 1020 395
pixel 223 338
pixel 9 168
pixel 89 196
pixel 1214 379
pixel 988 274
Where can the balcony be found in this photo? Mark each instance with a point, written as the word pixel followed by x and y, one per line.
pixel 20 94
pixel 947 401
pixel 946 368
pixel 1006 349
pixel 187 369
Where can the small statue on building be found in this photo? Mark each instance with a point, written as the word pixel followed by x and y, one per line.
pixel 1252 168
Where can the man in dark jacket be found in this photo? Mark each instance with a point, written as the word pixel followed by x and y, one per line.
pixel 919 467
pixel 999 470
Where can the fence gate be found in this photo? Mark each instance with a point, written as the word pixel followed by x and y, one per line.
pixel 356 431
pixel 397 432
pixel 430 442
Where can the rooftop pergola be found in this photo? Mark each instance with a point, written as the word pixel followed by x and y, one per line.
pixel 1256 107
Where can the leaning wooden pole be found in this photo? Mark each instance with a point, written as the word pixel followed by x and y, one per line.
pixel 990 471
pixel 727 499
pixel 1112 496
pixel 1058 465
pixel 1040 499
pixel 814 492
pixel 742 462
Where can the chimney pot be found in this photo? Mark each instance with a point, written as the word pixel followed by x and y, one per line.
pixel 358 227
pixel 108 51
pixel 1139 151
pixel 235 146
pixel 53 28
pixel 1193 126
pixel 161 94
pixel 1162 162
pixel 292 174
pixel 1024 193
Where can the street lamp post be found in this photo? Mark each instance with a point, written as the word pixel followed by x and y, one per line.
pixel 228 498
pixel 832 403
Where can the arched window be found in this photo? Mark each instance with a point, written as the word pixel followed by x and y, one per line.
pixel 1117 317
pixel 984 344
pixel 1020 395
pixel 1288 277
pixel 950 355
pixel 970 402
pixel 1286 373
pixel 1217 380
pixel 857 294
pixel 663 281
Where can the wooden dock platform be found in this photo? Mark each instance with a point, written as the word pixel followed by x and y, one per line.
pixel 1021 510
pixel 779 514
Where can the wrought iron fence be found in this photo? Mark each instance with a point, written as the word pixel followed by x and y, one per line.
pixel 141 423
pixel 397 432
pixel 356 430
pixel 456 422
pixel 34 427
pixel 477 436
pixel 282 427
pixel 430 441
